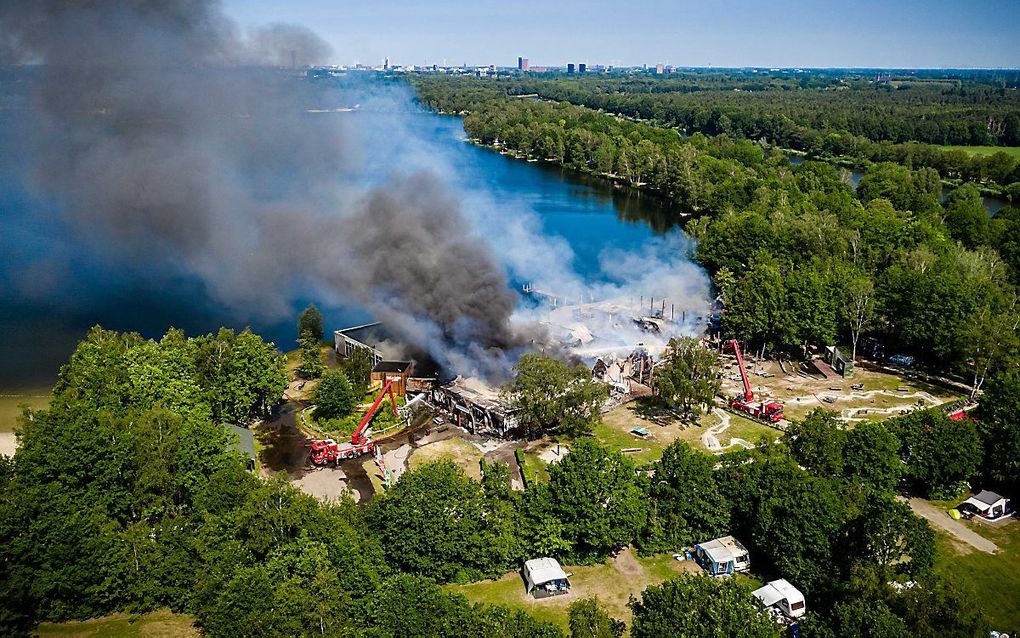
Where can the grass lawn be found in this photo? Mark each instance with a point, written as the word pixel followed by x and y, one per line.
pixel 465 455
pixel 994 578
pixel 748 429
pixel 158 624
pixel 614 431
pixel 1012 151
pixel 11 401
pixel 534 466
pixel 374 475
pixel 613 582
pixel 616 424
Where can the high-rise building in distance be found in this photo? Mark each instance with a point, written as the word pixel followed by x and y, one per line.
pixel 570 67
pixel 582 67
pixel 522 64
pixel 658 69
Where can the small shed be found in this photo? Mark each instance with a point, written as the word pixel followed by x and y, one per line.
pixel 987 505
pixel 544 577
pixel 722 556
pixel 399 371
pixel 782 596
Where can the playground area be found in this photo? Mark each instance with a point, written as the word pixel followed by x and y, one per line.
pixel 871 393
pixel 642 430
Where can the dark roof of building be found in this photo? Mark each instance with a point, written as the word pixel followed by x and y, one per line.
pixel 988 498
pixel 392 366
pixel 245 441
pixel 370 334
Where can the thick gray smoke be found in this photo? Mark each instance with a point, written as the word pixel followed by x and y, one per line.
pixel 167 140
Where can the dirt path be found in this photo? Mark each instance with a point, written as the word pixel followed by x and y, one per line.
pixel 628 565
pixel 852 414
pixel 958 530
pixel 710 439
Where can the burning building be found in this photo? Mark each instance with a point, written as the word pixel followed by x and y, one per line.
pixel 475 406
pixel 397 371
pixel 625 375
pixel 348 340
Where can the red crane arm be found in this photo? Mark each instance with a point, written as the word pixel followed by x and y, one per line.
pixel 748 395
pixel 358 434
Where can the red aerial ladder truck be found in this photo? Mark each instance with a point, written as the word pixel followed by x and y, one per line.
pixel 764 410
pixel 325 451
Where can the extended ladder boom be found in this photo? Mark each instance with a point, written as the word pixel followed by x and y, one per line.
pixel 748 395
pixel 358 435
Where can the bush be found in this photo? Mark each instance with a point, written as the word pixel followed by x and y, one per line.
pixel 334 396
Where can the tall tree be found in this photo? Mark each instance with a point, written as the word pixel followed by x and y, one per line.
pixel 595 495
pixel 966 216
pixel 437 524
pixel 888 536
pixel 858 307
pixel 991 341
pixel 334 397
pixel 999 424
pixel 548 395
pixel 688 378
pixel 310 365
pixel 694 605
pixel 818 442
pixel 871 458
pixel 686 505
pixel 811 304
pixel 756 310
pixel 940 454
pixel 358 368
pixel 256 377
pixel 588 619
pixel 310 324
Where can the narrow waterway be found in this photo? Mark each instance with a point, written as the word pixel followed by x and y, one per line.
pixel 992 203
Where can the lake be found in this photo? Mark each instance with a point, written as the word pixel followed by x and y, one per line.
pixel 38 331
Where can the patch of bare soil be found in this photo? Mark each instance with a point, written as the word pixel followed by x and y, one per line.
pixel 8 443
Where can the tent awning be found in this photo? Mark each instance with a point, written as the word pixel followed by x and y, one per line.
pixel 543 570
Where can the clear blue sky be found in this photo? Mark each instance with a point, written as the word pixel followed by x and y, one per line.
pixel 788 33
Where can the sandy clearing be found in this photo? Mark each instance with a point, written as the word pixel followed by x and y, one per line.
pixel 326 484
pixel 8 443
pixel 554 453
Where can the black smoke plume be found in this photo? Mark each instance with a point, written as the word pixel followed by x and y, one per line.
pixel 168 136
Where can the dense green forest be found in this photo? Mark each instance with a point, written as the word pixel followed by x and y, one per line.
pixel 125 494
pixel 853 120
pixel 798 254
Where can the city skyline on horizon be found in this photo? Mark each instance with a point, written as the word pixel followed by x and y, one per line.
pixel 911 34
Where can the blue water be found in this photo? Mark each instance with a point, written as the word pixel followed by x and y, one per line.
pixel 39 330
pixel 992 203
pixel 589 213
